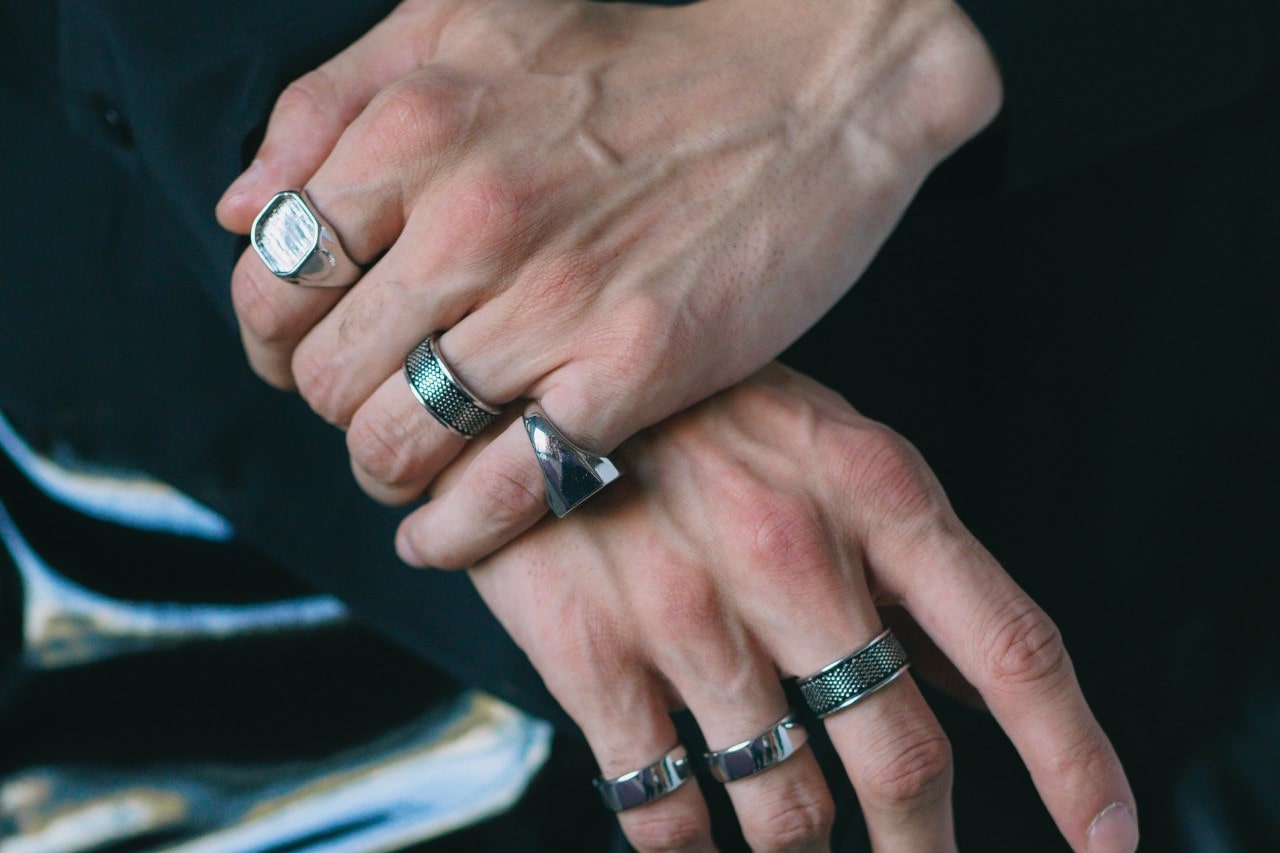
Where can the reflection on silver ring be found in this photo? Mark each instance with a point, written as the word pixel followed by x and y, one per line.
pixel 298 245
pixel 766 750
pixel 571 473
pixel 855 676
pixel 441 394
pixel 646 784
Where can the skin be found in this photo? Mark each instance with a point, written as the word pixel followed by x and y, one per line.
pixel 614 209
pixel 618 211
pixel 732 555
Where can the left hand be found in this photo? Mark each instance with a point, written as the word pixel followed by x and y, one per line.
pixel 754 538
pixel 615 209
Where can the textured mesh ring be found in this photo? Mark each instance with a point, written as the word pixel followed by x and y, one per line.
pixel 440 392
pixel 839 685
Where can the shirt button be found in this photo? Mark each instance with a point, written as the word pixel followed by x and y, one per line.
pixel 112 121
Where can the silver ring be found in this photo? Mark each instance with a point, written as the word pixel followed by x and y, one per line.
pixel 855 676
pixel 646 784
pixel 441 394
pixel 766 750
pixel 571 473
pixel 298 245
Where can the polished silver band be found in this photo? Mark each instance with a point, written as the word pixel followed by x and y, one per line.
pixel 646 784
pixel 298 245
pixel 839 685
pixel 440 392
pixel 766 750
pixel 571 473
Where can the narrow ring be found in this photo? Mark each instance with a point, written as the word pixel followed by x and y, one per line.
pixel 572 474
pixel 768 749
pixel 441 394
pixel 646 784
pixel 298 245
pixel 855 676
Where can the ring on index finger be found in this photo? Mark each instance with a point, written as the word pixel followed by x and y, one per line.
pixel 298 245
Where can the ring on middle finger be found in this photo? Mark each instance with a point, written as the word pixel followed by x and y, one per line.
pixel 768 749
pixel 441 392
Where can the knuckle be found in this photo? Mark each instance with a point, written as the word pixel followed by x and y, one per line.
pixel 683 604
pixel 381 445
pixel 316 380
pixel 661 829
pixel 489 215
pixel 917 773
pixel 797 823
pixel 781 530
pixel 892 478
pixel 414 116
pixel 1024 646
pixel 510 496
pixel 257 307
pixel 311 95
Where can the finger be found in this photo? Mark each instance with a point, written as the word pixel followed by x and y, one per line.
pixel 443 263
pixel 397 447
pixel 313 111
pixel 365 190
pixel 1010 650
pixel 733 691
pixel 892 747
pixel 499 495
pixel 625 740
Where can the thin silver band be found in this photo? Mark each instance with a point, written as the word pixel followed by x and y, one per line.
pixel 766 750
pixel 855 676
pixel 298 245
pixel 646 784
pixel 442 394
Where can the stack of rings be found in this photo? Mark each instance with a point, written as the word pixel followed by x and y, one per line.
pixel 833 688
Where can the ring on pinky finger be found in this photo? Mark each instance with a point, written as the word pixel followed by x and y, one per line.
pixel 649 783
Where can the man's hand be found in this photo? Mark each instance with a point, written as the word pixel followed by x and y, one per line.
pixel 615 209
pixel 754 538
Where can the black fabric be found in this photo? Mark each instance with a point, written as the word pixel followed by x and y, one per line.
pixel 1088 359
pixel 1086 79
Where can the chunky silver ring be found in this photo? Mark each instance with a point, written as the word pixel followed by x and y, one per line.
pixel 442 394
pixel 298 245
pixel 572 474
pixel 766 750
pixel 855 676
pixel 646 784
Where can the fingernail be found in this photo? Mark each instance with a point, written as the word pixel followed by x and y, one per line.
pixel 1114 830
pixel 245 182
pixel 405 551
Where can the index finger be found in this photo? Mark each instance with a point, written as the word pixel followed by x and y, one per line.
pixel 1009 649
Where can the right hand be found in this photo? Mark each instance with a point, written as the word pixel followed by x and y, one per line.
pixel 752 539
pixel 612 208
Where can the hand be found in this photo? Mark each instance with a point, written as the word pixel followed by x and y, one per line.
pixel 615 209
pixel 752 539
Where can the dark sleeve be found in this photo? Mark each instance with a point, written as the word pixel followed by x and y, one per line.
pixel 1088 78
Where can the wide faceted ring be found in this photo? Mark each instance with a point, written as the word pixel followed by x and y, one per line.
pixel 442 394
pixel 766 750
pixel 855 676
pixel 572 474
pixel 297 245
pixel 646 784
